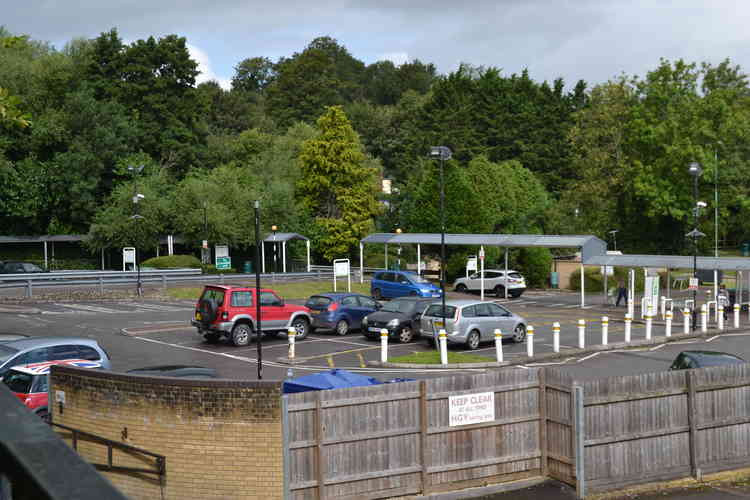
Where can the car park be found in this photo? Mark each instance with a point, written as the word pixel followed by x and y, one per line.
pixel 39 349
pixel 702 359
pixel 30 383
pixel 175 371
pixel 389 284
pixel 399 316
pixel 341 312
pixel 469 322
pixel 494 281
pixel 230 311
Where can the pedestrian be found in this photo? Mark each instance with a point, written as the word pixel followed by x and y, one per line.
pixel 622 292
pixel 722 300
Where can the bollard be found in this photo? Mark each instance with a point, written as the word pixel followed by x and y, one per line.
pixel 499 345
pixel 668 329
pixel 605 330
pixel 383 345
pixel 628 325
pixel 581 333
pixel 704 318
pixel 736 315
pixel 530 341
pixel 291 334
pixel 443 347
pixel 686 323
pixel 556 336
pixel 719 319
pixel 649 322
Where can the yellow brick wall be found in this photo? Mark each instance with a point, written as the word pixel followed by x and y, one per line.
pixel 221 439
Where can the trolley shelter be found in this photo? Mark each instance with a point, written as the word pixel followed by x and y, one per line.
pixel 589 246
pixel 274 239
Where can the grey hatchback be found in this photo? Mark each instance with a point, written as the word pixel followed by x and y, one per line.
pixel 38 349
pixel 470 322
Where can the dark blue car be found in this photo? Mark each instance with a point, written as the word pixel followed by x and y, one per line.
pixel 340 312
pixel 390 284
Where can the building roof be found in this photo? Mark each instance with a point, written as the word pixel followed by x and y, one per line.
pixel 273 237
pixel 670 261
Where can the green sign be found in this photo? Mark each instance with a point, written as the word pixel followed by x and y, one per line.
pixel 223 262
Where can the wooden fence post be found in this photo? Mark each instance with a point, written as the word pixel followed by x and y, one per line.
pixel 579 437
pixel 543 444
pixel 319 443
pixel 423 435
pixel 692 417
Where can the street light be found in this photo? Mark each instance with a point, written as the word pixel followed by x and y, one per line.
pixel 274 228
pixel 614 237
pixel 137 217
pixel 205 258
pixel 443 153
pixel 398 231
pixel 695 170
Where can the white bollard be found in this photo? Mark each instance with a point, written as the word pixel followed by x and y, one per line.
pixel 628 326
pixel 499 345
pixel 736 315
pixel 556 336
pixel 443 347
pixel 581 333
pixel 668 329
pixel 530 341
pixel 291 334
pixel 720 319
pixel 686 323
pixel 383 345
pixel 605 330
pixel 704 318
pixel 649 322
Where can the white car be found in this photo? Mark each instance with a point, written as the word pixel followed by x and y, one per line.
pixel 494 280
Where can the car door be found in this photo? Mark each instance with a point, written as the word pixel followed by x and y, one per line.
pixel 389 285
pixel 500 318
pixel 351 309
pixel 485 320
pixel 272 312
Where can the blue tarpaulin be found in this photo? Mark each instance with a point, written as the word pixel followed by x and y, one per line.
pixel 333 379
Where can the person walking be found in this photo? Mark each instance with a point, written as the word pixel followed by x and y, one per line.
pixel 722 300
pixel 622 292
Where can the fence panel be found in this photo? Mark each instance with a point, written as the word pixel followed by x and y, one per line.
pixel 560 456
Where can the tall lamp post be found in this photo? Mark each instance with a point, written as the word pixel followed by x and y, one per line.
pixel 274 228
pixel 205 258
pixel 443 153
pixel 137 217
pixel 695 170
pixel 398 251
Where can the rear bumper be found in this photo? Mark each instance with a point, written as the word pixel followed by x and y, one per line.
pixel 215 328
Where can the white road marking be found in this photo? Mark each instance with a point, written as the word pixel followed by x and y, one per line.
pixel 588 357
pixel 657 347
pixel 157 307
pixel 94 309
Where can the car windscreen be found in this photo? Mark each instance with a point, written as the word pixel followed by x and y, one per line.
pixel 399 306
pixel 18 382
pixel 435 310
pixel 418 279
pixel 6 353
pixel 318 302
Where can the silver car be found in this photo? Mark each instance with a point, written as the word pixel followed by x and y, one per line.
pixel 470 322
pixel 38 349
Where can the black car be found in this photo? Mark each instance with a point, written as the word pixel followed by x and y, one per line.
pixel 20 268
pixel 400 317
pixel 179 371
pixel 701 359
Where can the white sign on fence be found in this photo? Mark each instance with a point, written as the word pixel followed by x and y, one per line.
pixel 341 268
pixel 471 408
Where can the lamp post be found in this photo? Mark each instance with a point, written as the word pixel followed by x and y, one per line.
pixel 274 228
pixel 398 251
pixel 695 170
pixel 443 153
pixel 204 248
pixel 259 327
pixel 137 217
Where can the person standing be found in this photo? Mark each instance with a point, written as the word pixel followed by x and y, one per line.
pixel 622 292
pixel 722 300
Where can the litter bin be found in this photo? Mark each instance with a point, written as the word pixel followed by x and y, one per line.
pixel 553 280
pixel 247 266
pixel 746 249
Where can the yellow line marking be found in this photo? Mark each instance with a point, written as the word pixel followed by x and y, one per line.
pixel 330 362
pixel 362 363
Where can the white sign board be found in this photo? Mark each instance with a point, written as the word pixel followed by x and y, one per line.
pixel 341 267
pixel 471 264
pixel 652 288
pixel 693 284
pixel 471 409
pixel 221 251
pixel 128 257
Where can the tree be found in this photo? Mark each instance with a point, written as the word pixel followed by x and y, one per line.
pixel 253 75
pixel 337 185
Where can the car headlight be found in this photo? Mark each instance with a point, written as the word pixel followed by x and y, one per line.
pixel 393 323
pixel 364 320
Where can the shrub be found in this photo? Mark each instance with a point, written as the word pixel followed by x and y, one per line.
pixel 594 279
pixel 172 262
pixel 535 265
pixel 211 269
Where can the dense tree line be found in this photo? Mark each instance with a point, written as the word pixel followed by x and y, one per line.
pixel 312 134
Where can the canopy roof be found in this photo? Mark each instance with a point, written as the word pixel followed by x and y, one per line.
pixel 589 245
pixel 284 237
pixel 43 238
pixel 670 261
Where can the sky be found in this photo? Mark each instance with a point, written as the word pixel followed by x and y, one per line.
pixel 594 40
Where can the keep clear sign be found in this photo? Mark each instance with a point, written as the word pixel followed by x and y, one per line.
pixel 471 408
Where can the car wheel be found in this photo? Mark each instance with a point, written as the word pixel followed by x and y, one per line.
pixel 519 333
pixel 211 338
pixel 461 288
pixel 406 334
pixel 515 295
pixel 472 341
pixel 43 414
pixel 499 291
pixel 241 334
pixel 303 328
pixel 342 327
pixel 377 295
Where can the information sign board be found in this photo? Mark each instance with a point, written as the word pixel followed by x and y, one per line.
pixel 223 262
pixel 471 409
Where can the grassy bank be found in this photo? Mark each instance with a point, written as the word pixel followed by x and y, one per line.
pixel 287 290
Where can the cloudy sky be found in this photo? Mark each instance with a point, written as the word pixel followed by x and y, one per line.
pixel 590 39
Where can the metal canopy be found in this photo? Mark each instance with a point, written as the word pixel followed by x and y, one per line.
pixel 590 245
pixel 670 262
pixel 284 237
pixel 42 239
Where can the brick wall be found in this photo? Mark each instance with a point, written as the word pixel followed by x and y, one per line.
pixel 222 439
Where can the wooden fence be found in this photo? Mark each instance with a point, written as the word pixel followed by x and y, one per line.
pixel 395 439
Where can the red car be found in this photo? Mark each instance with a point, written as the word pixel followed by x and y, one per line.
pixel 31 382
pixel 230 311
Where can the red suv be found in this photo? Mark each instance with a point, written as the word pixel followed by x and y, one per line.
pixel 230 311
